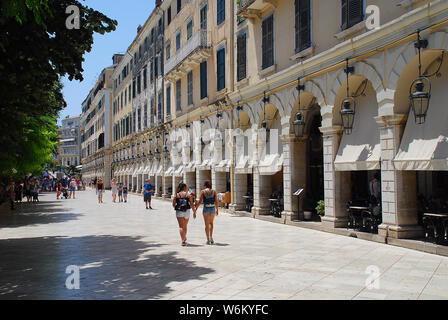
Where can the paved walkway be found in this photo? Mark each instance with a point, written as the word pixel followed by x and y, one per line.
pixel 126 252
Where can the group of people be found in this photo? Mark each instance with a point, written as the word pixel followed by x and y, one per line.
pixel 67 188
pixel 184 202
pixel 118 188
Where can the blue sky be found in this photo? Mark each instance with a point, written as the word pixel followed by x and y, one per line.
pixel 129 15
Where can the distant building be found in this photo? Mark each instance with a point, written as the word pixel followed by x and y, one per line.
pixel 69 150
pixel 96 128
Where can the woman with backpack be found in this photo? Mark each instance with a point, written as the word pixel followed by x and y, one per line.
pixel 209 197
pixel 182 204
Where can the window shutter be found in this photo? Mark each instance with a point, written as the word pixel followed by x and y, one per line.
pixel 203 70
pixel 241 57
pixel 268 42
pixel 344 6
pixel 355 11
pixel 303 27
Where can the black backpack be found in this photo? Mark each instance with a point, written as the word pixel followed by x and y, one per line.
pixel 182 204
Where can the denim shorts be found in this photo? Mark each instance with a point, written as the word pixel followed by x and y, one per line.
pixel 209 210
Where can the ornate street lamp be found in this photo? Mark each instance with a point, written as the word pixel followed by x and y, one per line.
pixel 299 123
pixel 418 94
pixel 264 123
pixel 348 108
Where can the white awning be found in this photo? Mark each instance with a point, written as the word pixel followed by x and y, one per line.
pixel 128 170
pixel 68 140
pixel 425 146
pixel 147 169
pixel 169 171
pixel 223 166
pixel 270 164
pixel 141 169
pixel 244 166
pixel 360 150
pixel 179 172
pixel 206 164
pixel 159 169
pixel 190 167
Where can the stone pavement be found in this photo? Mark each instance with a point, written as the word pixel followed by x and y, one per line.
pixel 127 252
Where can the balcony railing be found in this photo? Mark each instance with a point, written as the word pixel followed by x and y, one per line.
pixel 198 40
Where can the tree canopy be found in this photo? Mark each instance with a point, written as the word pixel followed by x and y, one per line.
pixel 36 51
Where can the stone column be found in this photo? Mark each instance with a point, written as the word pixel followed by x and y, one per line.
pixel 398 188
pixel 336 184
pixel 240 190
pixel 294 174
pixel 262 184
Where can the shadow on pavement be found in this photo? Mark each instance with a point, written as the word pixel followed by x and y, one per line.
pixel 111 268
pixel 27 214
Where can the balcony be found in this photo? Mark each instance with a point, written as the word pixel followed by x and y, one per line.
pixel 252 9
pixel 189 56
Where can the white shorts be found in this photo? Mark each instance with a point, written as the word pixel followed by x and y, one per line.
pixel 183 214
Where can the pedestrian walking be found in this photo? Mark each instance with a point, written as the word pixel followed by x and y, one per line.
pixel 19 192
pixel 182 204
pixel 125 193
pixel 10 189
pixel 58 190
pixel 114 188
pixel 28 186
pixel 147 193
pixel 35 191
pixel 100 190
pixel 120 192
pixel 73 186
pixel 209 197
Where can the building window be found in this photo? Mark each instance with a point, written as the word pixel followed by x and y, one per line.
pixel 146 44
pixel 139 83
pixel 129 90
pixel 168 100
pixel 352 12
pixel 133 88
pixel 178 40
pixel 189 28
pixel 151 72
pixel 160 106
pixel 302 24
pixel 190 87
pixel 140 52
pixel 168 49
pixel 145 78
pixel 179 5
pixel 133 122
pixel 125 95
pixel 267 44
pixel 152 111
pixel 160 27
pixel 221 68
pixel 203 70
pixel 241 56
pixel 156 64
pixel 139 118
pixel 221 11
pixel 203 14
pixel 168 15
pixel 178 95
pixel 145 116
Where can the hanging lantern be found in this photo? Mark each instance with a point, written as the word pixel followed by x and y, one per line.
pixel 420 91
pixel 348 108
pixel 299 125
pixel 348 114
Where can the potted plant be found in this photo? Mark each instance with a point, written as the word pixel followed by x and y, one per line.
pixel 320 209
